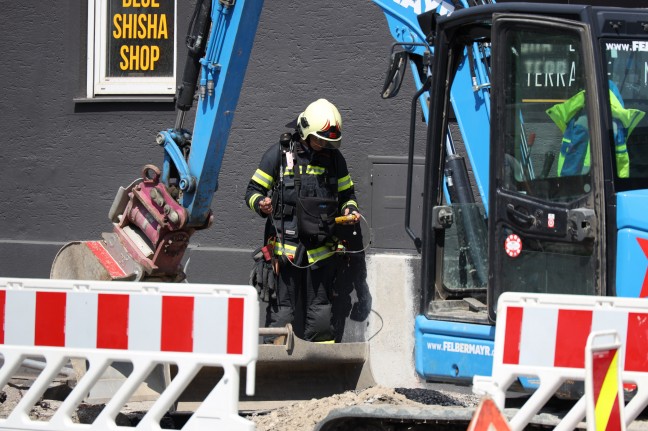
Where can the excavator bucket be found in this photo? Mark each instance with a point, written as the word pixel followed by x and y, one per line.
pixel 292 370
pixel 102 260
pixel 148 240
pixel 310 370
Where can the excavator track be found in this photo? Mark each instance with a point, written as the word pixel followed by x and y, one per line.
pixel 395 418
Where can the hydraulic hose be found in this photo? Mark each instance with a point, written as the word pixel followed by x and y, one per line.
pixel 472 227
pixel 196 43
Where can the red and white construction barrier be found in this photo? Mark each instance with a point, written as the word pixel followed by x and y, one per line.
pixel 545 336
pixel 145 324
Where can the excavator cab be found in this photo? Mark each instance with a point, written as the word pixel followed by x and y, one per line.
pixel 541 194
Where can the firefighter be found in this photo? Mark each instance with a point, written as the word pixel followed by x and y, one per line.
pixel 301 185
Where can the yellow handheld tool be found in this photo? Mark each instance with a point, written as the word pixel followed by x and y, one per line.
pixel 345 218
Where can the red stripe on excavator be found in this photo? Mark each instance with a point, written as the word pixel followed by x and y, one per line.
pixel 105 258
pixel 643 243
pixel 49 328
pixel 571 337
pixel 235 314
pixel 513 333
pixel 177 323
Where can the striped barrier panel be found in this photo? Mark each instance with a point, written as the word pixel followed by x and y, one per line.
pixel 603 387
pixel 145 324
pixel 545 336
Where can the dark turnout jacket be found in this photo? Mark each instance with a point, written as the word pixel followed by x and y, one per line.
pixel 324 174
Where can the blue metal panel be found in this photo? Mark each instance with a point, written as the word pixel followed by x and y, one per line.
pixel 632 262
pixel 402 20
pixel 632 207
pixel 453 350
pixel 632 234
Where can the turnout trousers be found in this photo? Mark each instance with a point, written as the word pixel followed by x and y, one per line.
pixel 304 297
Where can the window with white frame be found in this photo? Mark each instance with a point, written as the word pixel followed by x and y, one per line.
pixel 131 47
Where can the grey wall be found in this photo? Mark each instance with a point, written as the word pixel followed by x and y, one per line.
pixel 63 160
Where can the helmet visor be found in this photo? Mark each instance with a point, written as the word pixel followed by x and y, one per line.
pixel 332 133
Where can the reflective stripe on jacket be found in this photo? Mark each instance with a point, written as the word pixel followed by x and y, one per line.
pixel 314 254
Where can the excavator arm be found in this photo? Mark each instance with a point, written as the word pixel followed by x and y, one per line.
pixel 153 219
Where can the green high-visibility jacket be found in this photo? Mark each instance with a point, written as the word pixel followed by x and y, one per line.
pixel 569 116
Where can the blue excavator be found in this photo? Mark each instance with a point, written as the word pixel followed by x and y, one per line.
pixel 535 168
pixel 536 171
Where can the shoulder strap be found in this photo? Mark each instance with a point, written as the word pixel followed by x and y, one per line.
pixel 282 161
pixel 296 171
pixel 335 169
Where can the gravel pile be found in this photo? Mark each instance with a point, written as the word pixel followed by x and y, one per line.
pixel 432 397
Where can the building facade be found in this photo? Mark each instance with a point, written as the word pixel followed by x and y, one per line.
pixel 73 137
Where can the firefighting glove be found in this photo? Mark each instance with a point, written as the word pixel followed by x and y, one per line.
pixel 262 277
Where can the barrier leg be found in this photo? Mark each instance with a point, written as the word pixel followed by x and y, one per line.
pixel 573 417
pixel 547 389
pixel 170 395
pixel 220 408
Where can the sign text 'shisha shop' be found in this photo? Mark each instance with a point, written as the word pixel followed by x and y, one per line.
pixel 141 40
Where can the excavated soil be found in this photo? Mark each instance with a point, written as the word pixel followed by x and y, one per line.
pixel 303 415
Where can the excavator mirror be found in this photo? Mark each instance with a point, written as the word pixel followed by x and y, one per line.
pixel 395 74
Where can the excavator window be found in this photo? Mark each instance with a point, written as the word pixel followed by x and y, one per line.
pixel 627 70
pixel 547 133
pixel 542 222
pixel 465 249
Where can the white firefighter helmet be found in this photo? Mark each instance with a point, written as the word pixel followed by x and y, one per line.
pixel 322 119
